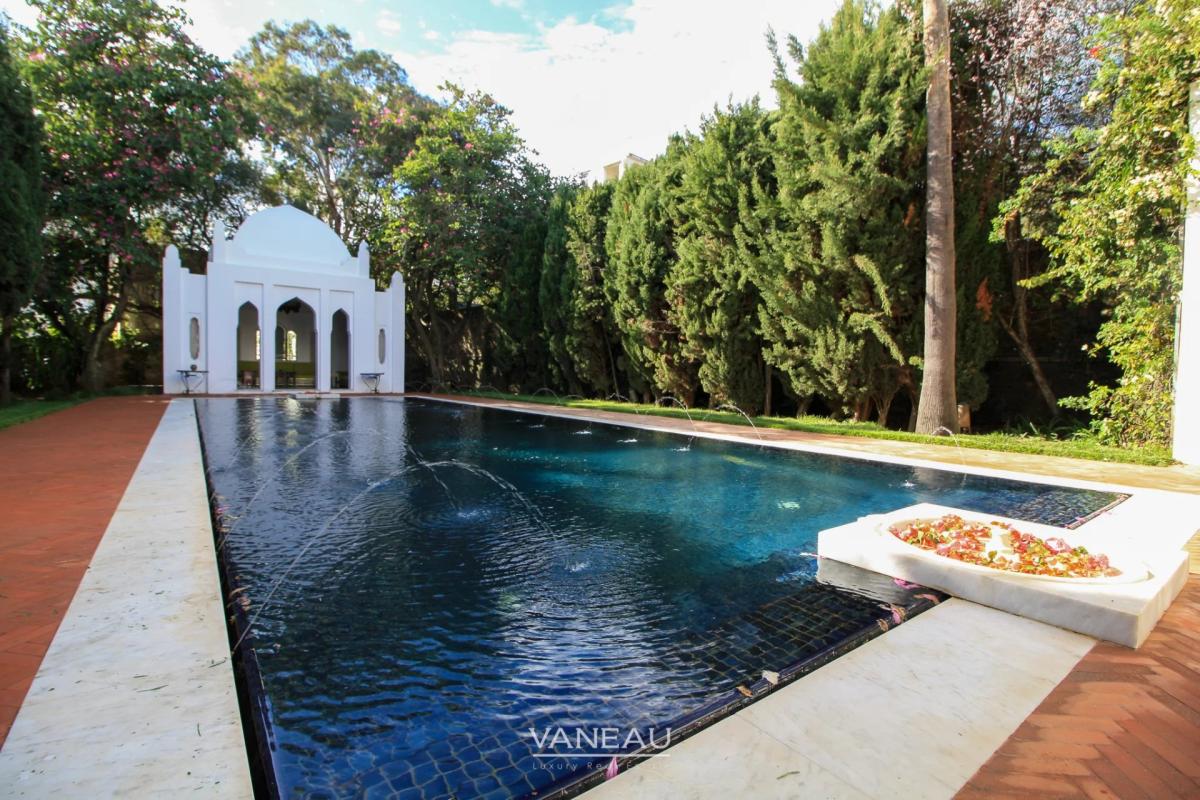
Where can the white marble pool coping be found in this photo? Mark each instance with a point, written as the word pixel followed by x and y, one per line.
pixel 913 713
pixel 135 696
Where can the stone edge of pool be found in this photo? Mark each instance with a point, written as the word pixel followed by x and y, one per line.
pixel 807 443
pixel 136 694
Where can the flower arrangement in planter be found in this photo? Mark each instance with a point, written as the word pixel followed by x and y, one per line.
pixel 999 546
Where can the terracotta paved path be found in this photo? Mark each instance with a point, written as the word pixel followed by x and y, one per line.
pixel 1124 724
pixel 61 477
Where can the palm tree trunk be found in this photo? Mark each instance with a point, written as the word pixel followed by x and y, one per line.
pixel 938 406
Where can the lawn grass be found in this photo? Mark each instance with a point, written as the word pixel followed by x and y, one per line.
pixel 1080 446
pixel 25 410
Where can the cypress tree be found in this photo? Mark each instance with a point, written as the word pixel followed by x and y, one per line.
pixel 640 247
pixel 715 304
pixel 590 337
pixel 841 267
pixel 558 285
pixel 20 205
pixel 517 355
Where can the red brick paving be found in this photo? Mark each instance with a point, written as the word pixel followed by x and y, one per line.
pixel 61 477
pixel 1123 724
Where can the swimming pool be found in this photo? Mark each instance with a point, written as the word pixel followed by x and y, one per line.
pixel 446 599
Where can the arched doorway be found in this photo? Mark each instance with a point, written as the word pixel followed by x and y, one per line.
pixel 249 347
pixel 295 345
pixel 339 351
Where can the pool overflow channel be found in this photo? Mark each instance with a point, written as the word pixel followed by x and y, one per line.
pixel 753 653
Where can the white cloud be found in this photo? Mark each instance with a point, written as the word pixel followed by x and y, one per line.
pixel 431 36
pixel 388 23
pixel 19 12
pixel 583 95
pixel 514 4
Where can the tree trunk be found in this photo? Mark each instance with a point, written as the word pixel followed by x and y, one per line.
pixel 92 378
pixel 767 399
pixel 1018 254
pixel 883 406
pixel 1035 366
pixel 612 364
pixel 802 404
pixel 862 410
pixel 938 408
pixel 6 325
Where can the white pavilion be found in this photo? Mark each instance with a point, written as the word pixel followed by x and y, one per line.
pixel 283 307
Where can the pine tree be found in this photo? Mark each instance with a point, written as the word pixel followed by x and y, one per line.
pixel 20 205
pixel 841 245
pixel 715 305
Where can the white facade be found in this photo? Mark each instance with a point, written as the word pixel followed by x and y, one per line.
pixel 1187 341
pixel 617 169
pixel 283 306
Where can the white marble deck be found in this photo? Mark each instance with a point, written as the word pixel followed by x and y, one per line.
pixel 913 713
pixel 135 697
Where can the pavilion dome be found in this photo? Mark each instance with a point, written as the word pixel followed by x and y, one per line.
pixel 285 234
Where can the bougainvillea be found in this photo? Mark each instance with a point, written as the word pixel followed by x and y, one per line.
pixel 136 117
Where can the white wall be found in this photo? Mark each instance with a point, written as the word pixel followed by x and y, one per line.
pixel 1187 343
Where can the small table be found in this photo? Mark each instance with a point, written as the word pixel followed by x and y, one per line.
pixel 371 379
pixel 186 376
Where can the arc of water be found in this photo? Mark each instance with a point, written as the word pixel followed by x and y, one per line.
pixel 426 466
pixel 478 471
pixel 372 486
pixel 744 415
pixel 270 478
pixel 957 448
pixel 687 412
pixel 546 389
pixel 246 439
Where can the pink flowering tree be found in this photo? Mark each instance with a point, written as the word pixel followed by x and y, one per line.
pixel 138 119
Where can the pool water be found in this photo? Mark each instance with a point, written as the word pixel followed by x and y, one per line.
pixel 435 590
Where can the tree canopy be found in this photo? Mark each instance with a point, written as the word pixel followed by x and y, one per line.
pixel 770 259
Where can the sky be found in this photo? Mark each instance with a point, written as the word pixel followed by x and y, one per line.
pixel 587 80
